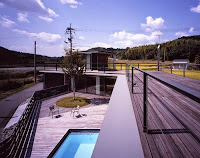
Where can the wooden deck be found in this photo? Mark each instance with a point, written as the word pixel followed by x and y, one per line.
pixel 50 131
pixel 169 110
pixel 185 81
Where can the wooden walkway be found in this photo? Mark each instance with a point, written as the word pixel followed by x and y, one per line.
pixel 171 111
pixel 185 81
pixel 50 131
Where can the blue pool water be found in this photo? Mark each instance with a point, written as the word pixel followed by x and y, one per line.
pixel 77 145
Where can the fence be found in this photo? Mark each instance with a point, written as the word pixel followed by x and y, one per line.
pixel 194 95
pixel 193 71
pixel 16 145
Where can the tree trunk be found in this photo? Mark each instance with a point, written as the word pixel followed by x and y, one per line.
pixel 74 87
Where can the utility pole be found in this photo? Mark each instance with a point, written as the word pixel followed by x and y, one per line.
pixel 35 62
pixel 69 31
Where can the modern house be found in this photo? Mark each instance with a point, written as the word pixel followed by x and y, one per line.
pixel 181 63
pixel 98 60
pixel 147 116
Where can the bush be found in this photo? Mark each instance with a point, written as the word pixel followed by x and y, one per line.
pixel 6 85
pixel 15 74
pixel 28 81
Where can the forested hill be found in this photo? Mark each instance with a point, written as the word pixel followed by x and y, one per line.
pixel 181 48
pixel 9 57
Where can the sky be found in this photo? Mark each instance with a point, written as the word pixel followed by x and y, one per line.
pixel 97 23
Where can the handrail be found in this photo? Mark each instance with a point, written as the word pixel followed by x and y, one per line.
pixel 16 144
pixel 192 94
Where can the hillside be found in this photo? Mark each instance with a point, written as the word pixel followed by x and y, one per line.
pixel 184 47
pixel 9 57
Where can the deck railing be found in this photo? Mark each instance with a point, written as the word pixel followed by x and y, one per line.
pixel 16 145
pixel 192 94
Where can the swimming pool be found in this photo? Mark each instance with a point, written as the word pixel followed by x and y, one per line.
pixel 76 144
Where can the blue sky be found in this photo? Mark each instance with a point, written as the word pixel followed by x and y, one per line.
pixel 106 23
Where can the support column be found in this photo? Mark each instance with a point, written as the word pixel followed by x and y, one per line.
pixel 114 60
pixel 98 85
pixel 88 66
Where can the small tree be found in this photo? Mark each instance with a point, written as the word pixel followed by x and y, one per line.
pixel 73 66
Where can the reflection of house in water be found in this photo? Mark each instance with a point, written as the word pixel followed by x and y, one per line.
pixel 180 63
pixel 97 60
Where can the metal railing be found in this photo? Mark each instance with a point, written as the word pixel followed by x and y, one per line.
pixel 16 145
pixel 192 94
pixel 192 71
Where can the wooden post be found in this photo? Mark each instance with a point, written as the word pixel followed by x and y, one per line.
pixel 183 70
pixel 171 68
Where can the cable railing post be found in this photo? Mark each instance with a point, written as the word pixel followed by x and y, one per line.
pixel 132 80
pixel 121 66
pixel 171 68
pixel 145 101
pixel 128 74
pixel 183 70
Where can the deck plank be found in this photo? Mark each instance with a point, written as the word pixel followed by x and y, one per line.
pixel 165 105
pixel 50 131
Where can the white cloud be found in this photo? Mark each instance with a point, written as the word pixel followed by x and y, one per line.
pixel 127 39
pixel 181 34
pixel 69 2
pixel 52 13
pixel 5 22
pixel 195 9
pixel 73 6
pixel 153 24
pixel 45 18
pixel 22 17
pixel 101 44
pixel 81 38
pixel 48 37
pixel 127 43
pixel 1 5
pixel 36 6
pixel 191 29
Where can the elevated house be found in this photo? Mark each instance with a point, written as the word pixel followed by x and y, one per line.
pixel 98 60
pixel 181 63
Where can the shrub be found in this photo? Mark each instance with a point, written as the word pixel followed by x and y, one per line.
pixel 6 85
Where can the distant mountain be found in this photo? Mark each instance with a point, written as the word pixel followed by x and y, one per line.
pixel 10 57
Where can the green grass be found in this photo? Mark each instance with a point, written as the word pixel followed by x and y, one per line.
pixel 68 102
pixel 195 74
pixel 10 92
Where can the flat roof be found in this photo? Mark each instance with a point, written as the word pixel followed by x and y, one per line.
pixel 96 52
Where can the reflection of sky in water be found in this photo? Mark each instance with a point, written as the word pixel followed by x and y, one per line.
pixel 77 145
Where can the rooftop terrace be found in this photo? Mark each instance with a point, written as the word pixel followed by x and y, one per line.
pixel 173 119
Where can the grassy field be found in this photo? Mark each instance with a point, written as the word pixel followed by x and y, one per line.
pixel 14 81
pixel 68 102
pixel 188 73
pixel 10 92
pixel 151 65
